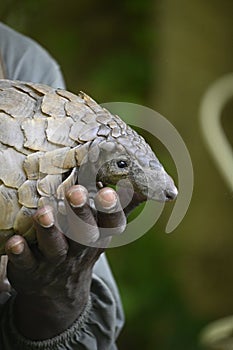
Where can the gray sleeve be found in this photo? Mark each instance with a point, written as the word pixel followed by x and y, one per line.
pixel 103 318
pixel 95 329
pixel 102 270
pixel 25 60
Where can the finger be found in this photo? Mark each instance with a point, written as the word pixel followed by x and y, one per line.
pixel 51 242
pixel 82 227
pixel 110 216
pixel 19 253
pixel 4 282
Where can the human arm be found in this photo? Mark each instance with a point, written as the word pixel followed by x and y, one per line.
pixel 56 289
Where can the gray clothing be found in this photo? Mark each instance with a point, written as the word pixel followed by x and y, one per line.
pixel 25 60
pixel 99 325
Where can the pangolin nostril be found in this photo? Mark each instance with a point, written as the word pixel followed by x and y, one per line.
pixel 171 194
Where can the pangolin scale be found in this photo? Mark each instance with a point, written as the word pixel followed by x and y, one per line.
pixel 46 135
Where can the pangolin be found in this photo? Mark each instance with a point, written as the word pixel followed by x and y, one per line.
pixel 47 136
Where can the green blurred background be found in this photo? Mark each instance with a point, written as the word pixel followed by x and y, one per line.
pixel 164 55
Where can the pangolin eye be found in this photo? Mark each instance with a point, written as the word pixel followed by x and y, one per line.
pixel 122 164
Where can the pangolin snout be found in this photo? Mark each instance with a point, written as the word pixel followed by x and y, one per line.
pixel 171 193
pixel 161 186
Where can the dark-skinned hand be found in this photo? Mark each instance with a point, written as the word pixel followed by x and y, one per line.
pixel 52 278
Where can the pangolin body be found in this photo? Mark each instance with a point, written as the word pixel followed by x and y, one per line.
pixel 47 135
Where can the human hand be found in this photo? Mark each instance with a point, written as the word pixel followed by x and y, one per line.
pixel 53 278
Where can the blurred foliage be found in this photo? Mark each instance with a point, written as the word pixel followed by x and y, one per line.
pixel 96 44
pixel 163 54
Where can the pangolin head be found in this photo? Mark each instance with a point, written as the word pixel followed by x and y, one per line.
pixel 128 156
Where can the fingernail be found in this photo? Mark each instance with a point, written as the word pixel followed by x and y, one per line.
pixel 16 248
pixel 45 218
pixel 107 198
pixel 77 196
